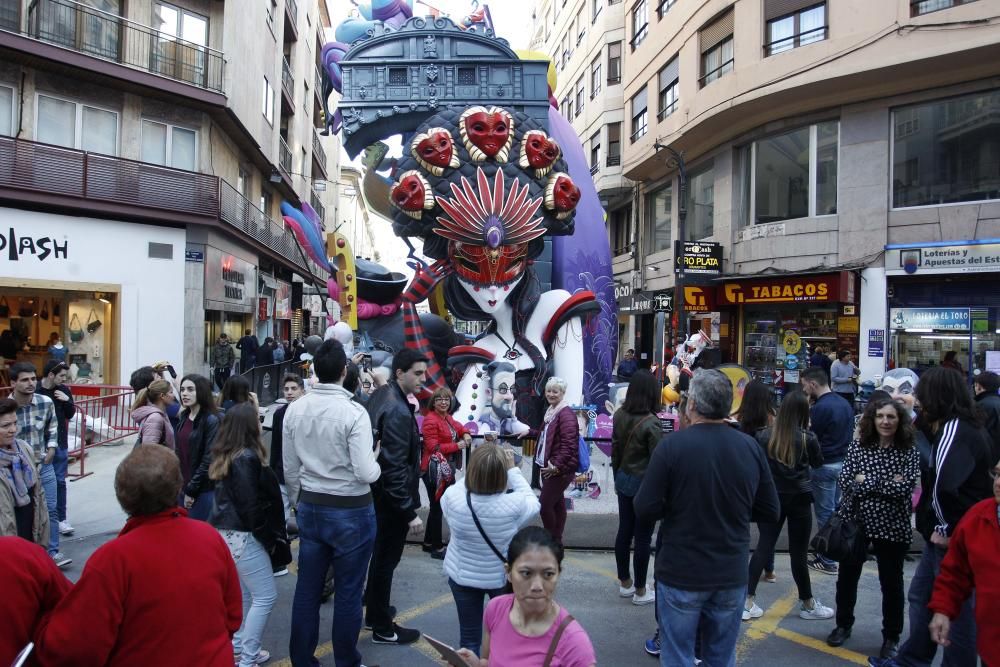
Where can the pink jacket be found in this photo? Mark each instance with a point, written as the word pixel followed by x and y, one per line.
pixel 154 426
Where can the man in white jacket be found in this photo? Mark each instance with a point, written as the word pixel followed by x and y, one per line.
pixel 484 510
pixel 329 462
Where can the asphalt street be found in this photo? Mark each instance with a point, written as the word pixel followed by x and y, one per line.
pixel 587 588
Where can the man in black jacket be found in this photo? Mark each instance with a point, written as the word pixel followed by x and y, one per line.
pixel 248 351
pixel 396 493
pixel 706 482
pixel 53 385
pixel 988 401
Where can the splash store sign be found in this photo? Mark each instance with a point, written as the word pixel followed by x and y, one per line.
pixel 821 288
pixel 32 247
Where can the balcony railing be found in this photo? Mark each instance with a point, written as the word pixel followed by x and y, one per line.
pixel 594 168
pixel 287 80
pixel 111 37
pixel 319 154
pixel 90 180
pixel 10 15
pixel 284 157
pixel 318 205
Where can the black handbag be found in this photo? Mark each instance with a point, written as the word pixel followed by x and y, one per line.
pixel 93 323
pixel 842 537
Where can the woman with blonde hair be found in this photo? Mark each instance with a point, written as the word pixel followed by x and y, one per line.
pixel 484 510
pixel 238 458
pixel 557 456
pixel 149 411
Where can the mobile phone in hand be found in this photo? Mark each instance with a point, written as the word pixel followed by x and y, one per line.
pixel 366 363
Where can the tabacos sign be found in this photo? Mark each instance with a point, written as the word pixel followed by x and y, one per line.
pixel 20 248
pixel 829 287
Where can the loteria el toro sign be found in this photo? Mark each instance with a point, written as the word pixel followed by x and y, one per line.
pixel 835 287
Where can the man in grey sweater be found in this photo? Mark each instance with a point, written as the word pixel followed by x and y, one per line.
pixel 329 462
pixel 843 373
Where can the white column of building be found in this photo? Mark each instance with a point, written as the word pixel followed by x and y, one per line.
pixel 873 318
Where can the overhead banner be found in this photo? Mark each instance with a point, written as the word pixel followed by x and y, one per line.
pixel 971 258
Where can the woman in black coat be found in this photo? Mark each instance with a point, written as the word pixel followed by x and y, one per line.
pixel 197 425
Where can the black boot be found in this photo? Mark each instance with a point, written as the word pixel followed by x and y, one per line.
pixel 838 636
pixel 890 647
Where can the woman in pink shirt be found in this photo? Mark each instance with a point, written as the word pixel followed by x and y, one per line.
pixel 527 628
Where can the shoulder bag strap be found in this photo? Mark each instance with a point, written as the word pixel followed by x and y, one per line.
pixel 555 640
pixel 479 526
pixel 634 428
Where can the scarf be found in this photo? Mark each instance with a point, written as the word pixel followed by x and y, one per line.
pixel 553 410
pixel 17 470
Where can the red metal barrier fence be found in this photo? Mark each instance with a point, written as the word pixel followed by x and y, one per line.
pixel 102 416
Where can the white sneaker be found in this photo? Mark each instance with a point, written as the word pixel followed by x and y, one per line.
pixel 753 611
pixel 65 528
pixel 817 613
pixel 626 592
pixel 61 559
pixel 282 572
pixel 648 598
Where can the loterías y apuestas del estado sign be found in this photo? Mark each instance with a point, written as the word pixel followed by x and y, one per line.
pixel 20 248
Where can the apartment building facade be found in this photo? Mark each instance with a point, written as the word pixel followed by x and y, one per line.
pixel 845 156
pixel 153 143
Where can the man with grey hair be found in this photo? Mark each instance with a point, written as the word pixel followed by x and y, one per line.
pixel 706 482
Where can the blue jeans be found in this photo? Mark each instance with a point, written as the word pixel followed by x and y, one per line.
pixel 826 494
pixel 469 603
pixel 259 594
pixel 345 537
pixel 61 463
pixel 682 614
pixel 919 649
pixel 47 474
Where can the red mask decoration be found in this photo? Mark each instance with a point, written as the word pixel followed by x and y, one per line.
pixel 412 194
pixel 435 150
pixel 561 195
pixel 539 151
pixel 487 133
pixel 482 265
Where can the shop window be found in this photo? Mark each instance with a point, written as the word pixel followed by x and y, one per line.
pixel 614 63
pixel 946 151
pixel 614 144
pixel 169 145
pixel 793 25
pixel 765 347
pixel 716 43
pixel 659 220
pixel 640 23
pixel 595 76
pixel 918 7
pixel 669 89
pixel 794 175
pixel 639 115
pixel 700 221
pixel 6 111
pixel 66 123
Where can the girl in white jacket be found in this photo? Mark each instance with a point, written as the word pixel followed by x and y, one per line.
pixel 494 493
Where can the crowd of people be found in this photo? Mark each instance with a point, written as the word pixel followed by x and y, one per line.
pixel 343 474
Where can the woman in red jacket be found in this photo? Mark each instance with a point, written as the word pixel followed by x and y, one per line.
pixel 557 456
pixel 165 591
pixel 971 563
pixel 442 433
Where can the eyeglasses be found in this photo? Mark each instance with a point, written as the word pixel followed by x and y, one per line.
pixel 442 399
pixel 503 388
pixel 995 472
pixel 366 384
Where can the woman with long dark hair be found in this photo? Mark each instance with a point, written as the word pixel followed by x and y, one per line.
pixel 238 457
pixel 881 468
pixel 957 480
pixel 194 434
pixel 236 390
pixel 635 433
pixel 792 449
pixel 757 412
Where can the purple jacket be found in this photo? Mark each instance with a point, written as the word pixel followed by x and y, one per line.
pixel 562 442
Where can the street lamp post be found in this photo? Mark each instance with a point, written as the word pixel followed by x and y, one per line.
pixel 675 160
